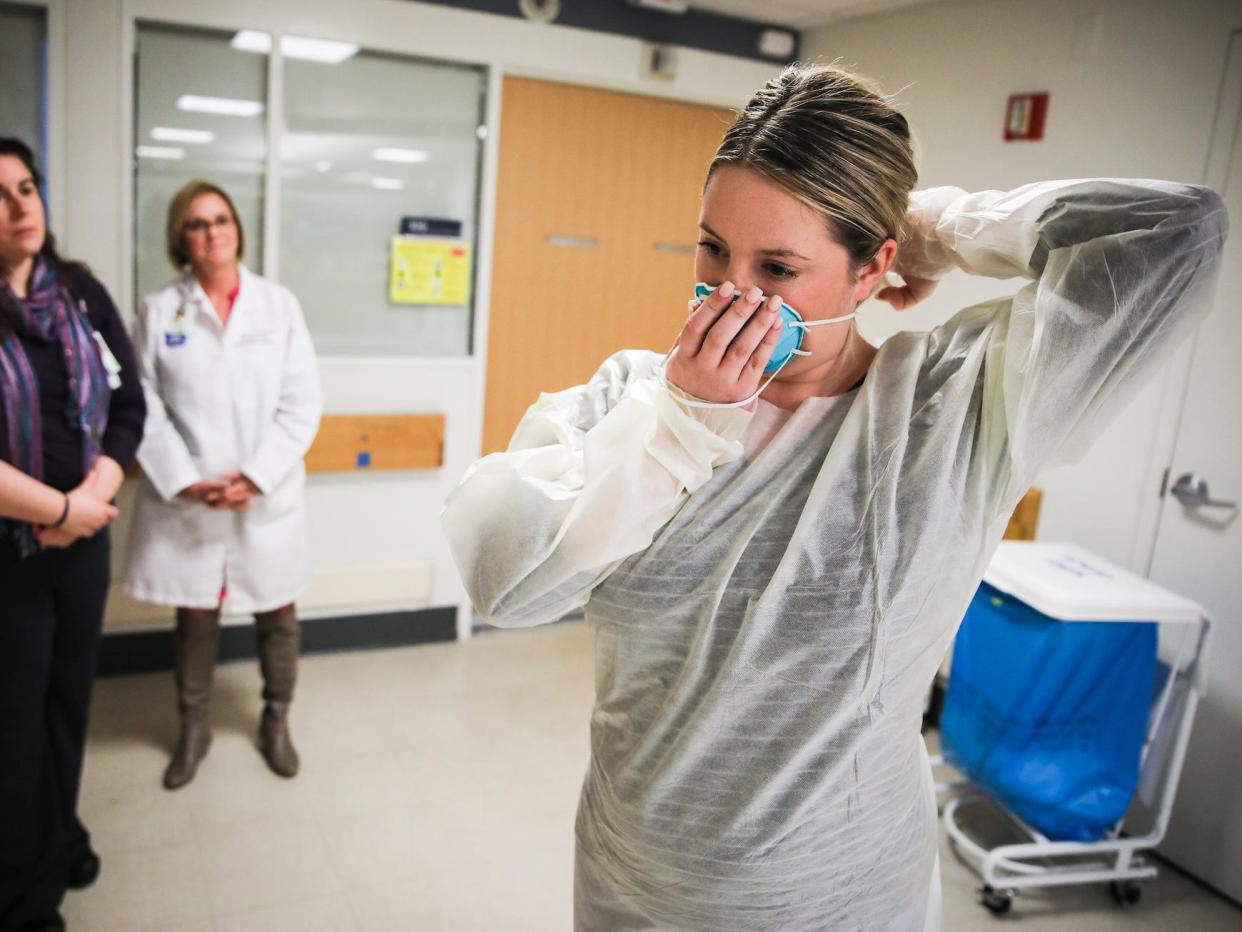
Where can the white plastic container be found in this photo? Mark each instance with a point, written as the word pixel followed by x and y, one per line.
pixel 1066 582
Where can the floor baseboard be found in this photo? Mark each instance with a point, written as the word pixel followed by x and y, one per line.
pixel 125 652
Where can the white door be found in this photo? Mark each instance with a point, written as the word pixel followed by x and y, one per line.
pixel 1198 549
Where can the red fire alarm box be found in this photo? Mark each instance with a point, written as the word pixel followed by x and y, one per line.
pixel 1025 115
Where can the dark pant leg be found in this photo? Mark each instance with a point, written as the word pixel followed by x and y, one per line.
pixel 31 878
pixel 81 590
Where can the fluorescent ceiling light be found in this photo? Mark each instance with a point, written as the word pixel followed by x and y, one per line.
pixel 160 152
pixel 251 40
pixel 320 50
pixel 387 184
pixel 226 106
pixel 400 155
pixel 171 134
pixel 326 51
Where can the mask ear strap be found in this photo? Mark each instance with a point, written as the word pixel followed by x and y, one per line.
pixel 695 403
pixel 804 324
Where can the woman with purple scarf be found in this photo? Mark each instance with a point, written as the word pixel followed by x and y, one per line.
pixel 71 416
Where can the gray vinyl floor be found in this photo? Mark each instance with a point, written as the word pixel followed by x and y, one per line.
pixel 437 792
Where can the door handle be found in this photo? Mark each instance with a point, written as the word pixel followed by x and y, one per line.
pixel 1191 489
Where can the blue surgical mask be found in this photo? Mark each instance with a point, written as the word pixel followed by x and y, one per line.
pixel 793 329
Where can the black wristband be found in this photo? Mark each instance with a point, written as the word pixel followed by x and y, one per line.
pixel 64 515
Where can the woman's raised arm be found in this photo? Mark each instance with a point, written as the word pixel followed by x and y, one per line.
pixel 1120 271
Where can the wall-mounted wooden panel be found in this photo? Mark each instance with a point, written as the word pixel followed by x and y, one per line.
pixel 596 219
pixel 349 442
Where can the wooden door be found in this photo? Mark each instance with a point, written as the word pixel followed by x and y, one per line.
pixel 596 219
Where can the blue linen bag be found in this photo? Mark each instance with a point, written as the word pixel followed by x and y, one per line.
pixel 1047 716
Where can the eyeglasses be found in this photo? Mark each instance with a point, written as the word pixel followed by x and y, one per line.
pixel 199 225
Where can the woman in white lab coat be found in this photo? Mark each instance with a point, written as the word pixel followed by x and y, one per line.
pixel 233 392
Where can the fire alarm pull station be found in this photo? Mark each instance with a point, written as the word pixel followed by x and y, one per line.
pixel 1024 116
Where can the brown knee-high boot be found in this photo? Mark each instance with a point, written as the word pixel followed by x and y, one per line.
pixel 198 643
pixel 279 639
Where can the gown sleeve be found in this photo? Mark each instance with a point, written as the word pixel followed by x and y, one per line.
pixel 1119 271
pixel 590 476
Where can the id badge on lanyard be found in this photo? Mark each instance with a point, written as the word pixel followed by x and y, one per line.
pixel 110 364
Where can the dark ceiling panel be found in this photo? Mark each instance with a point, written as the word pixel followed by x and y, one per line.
pixel 697 29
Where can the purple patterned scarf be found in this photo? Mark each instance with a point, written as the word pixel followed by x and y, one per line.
pixel 48 314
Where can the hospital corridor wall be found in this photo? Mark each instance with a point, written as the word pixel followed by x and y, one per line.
pixel 379 553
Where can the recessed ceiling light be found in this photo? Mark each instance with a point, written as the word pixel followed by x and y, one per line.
pixel 159 152
pixel 387 184
pixel 172 134
pixel 323 165
pixel 225 106
pixel 388 154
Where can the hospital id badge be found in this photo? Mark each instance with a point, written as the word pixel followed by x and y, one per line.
pixel 111 366
pixel 174 339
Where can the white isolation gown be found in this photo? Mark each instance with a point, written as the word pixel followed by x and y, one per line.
pixel 767 625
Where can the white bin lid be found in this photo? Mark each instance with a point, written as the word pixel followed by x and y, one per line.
pixel 1066 582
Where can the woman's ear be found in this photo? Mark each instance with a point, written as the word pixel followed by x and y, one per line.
pixel 872 271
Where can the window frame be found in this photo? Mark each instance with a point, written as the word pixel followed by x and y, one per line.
pixel 160 13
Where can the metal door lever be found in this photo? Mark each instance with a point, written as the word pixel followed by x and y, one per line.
pixel 1191 489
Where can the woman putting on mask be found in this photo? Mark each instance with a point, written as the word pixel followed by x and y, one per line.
pixel 773 585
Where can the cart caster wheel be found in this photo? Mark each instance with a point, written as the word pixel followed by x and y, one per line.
pixel 1127 893
pixel 997 902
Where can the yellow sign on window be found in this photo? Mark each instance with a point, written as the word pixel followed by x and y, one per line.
pixel 429 271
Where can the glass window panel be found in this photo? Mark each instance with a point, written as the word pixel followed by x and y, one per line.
pixel 219 135
pixel 367 141
pixel 23 70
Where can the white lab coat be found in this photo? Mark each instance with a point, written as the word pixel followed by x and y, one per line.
pixel 221 399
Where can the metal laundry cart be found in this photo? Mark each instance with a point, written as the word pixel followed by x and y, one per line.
pixel 1021 569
